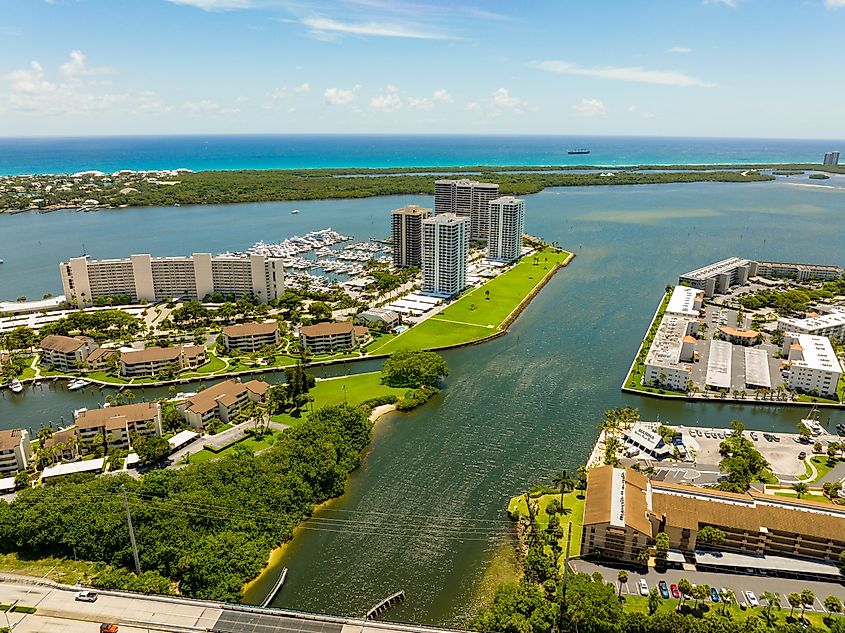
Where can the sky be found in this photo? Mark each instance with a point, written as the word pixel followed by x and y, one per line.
pixel 718 68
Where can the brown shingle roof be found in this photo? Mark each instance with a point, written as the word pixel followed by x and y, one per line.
pixel 226 392
pixel 192 351
pixel 113 417
pixel 100 353
pixel 62 344
pixel 258 387
pixel 151 354
pixel 60 437
pixel 730 331
pixel 327 329
pixel 10 438
pixel 251 329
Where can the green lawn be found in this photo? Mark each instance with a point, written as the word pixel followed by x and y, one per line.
pixel 474 316
pixel 213 365
pixel 573 503
pixel 823 465
pixel 710 611
pixel 805 497
pixel 358 388
pixel 252 443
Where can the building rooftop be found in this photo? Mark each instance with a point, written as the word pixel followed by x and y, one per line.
pixel 412 209
pixel 251 329
pixel 719 364
pixel 384 313
pixel 617 496
pixel 100 353
pixel 683 300
pixel 730 331
pixel 117 416
pixel 150 355
pixel 817 353
pixel 328 328
pixel 11 438
pixel 63 344
pixel 757 368
pixel 716 268
pixel 226 393
pixel 466 182
pixel 445 218
pixel 833 319
pixel 84 466
pixel 665 350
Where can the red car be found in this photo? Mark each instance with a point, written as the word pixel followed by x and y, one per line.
pixel 675 592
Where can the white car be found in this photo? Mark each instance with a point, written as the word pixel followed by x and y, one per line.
pixel 751 599
pixel 86 596
pixel 643 587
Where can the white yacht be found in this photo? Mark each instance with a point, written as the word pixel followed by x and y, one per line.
pixel 16 386
pixel 75 385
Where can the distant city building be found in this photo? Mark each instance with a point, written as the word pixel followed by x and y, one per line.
pixel 720 276
pixel 154 360
pixel 250 337
pixel 222 401
pixel 799 272
pixel 831 158
pixel 467 199
pixel 146 278
pixel 14 451
pixel 445 248
pixel 65 353
pixel 324 338
pixel 624 511
pixel 407 235
pixel 813 365
pixel 505 228
pixel 671 352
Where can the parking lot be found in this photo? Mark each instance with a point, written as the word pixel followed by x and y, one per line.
pixel 739 584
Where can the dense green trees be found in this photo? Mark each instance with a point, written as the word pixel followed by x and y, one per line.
pixel 209 526
pixel 408 368
pixel 741 462
pixel 100 325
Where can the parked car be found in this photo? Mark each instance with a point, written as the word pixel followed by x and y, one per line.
pixel 108 628
pixel 768 437
pixel 775 438
pixel 714 594
pixel 675 592
pixel 86 596
pixel 802 455
pixel 643 587
pixel 754 436
pixel 664 589
pixel 751 599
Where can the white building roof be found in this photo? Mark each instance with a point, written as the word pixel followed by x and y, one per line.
pixel 817 353
pixel 182 438
pixel 716 268
pixel 665 350
pixel 757 368
pixel 84 466
pixel 719 364
pixel 834 319
pixel 643 436
pixel 682 301
pixel 7 484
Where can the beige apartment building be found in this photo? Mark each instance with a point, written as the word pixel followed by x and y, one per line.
pixel 323 338
pixel 65 353
pixel 468 199
pixel 15 451
pixel 147 278
pixel 223 401
pixel 407 234
pixel 154 360
pixel 250 337
pixel 117 425
pixel 505 228
pixel 445 249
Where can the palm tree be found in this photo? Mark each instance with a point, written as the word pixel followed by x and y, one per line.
pixel 727 596
pixel 807 599
pixel 800 488
pixel 565 482
pixel 622 577
pixel 772 602
pixel 794 600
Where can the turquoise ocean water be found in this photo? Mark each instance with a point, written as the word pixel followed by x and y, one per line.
pixel 68 155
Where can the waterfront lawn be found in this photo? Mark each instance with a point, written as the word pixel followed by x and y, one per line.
pixel 254 444
pixel 573 503
pixel 473 316
pixel 212 366
pixel 359 387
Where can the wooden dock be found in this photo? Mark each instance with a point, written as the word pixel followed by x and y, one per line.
pixel 385 604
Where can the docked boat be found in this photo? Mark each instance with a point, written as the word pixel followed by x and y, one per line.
pixel 580 150
pixel 295 211
pixel 813 423
pixel 16 386
pixel 75 385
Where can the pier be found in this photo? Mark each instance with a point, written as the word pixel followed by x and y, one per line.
pixel 385 604
pixel 276 588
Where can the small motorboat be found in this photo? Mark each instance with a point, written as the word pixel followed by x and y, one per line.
pixel 16 386
pixel 75 385
pixel 295 211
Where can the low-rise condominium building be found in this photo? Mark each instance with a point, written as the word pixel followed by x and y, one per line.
pixel 222 401
pixel 444 254
pixel 624 511
pixel 65 353
pixel 378 316
pixel 667 363
pixel 407 235
pixel 154 360
pixel 721 276
pixel 324 338
pixel 505 228
pixel 15 451
pixel 813 365
pixel 250 337
pixel 146 278
pixel 118 425
pixel 799 272
pixel 831 324
pixel 685 301
pixel 468 199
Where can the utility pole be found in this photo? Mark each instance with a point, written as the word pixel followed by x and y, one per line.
pixel 132 532
pixel 566 560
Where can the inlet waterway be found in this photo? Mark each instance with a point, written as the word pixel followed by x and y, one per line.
pixel 515 410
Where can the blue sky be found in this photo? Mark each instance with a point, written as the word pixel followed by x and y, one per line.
pixel 756 68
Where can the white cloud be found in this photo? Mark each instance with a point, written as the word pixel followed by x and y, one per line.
pixel 76 67
pixel 427 103
pixel 386 103
pixel 590 108
pixel 630 73
pixel 302 88
pixel 339 96
pixel 834 4
pixel 209 107
pixel 632 108
pixel 281 95
pixel 321 27
pixel 29 80
pixel 727 3
pixel 681 50
pixel 472 106
pixel 215 5
pixel 502 100
pixel 441 96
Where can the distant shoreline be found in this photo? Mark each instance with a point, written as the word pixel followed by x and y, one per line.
pixel 95 190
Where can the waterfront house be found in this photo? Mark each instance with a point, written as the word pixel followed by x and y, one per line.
pixel 223 401
pixel 154 360
pixel 379 317
pixel 100 358
pixel 324 338
pixel 14 451
pixel 118 425
pixel 65 353
pixel 250 337
pixel 63 444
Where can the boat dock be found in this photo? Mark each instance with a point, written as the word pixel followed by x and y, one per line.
pixel 276 588
pixel 385 604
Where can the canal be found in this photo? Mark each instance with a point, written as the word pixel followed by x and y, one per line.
pixel 516 409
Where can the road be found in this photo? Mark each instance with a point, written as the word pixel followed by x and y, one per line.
pixel 59 612
pixel 735 582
